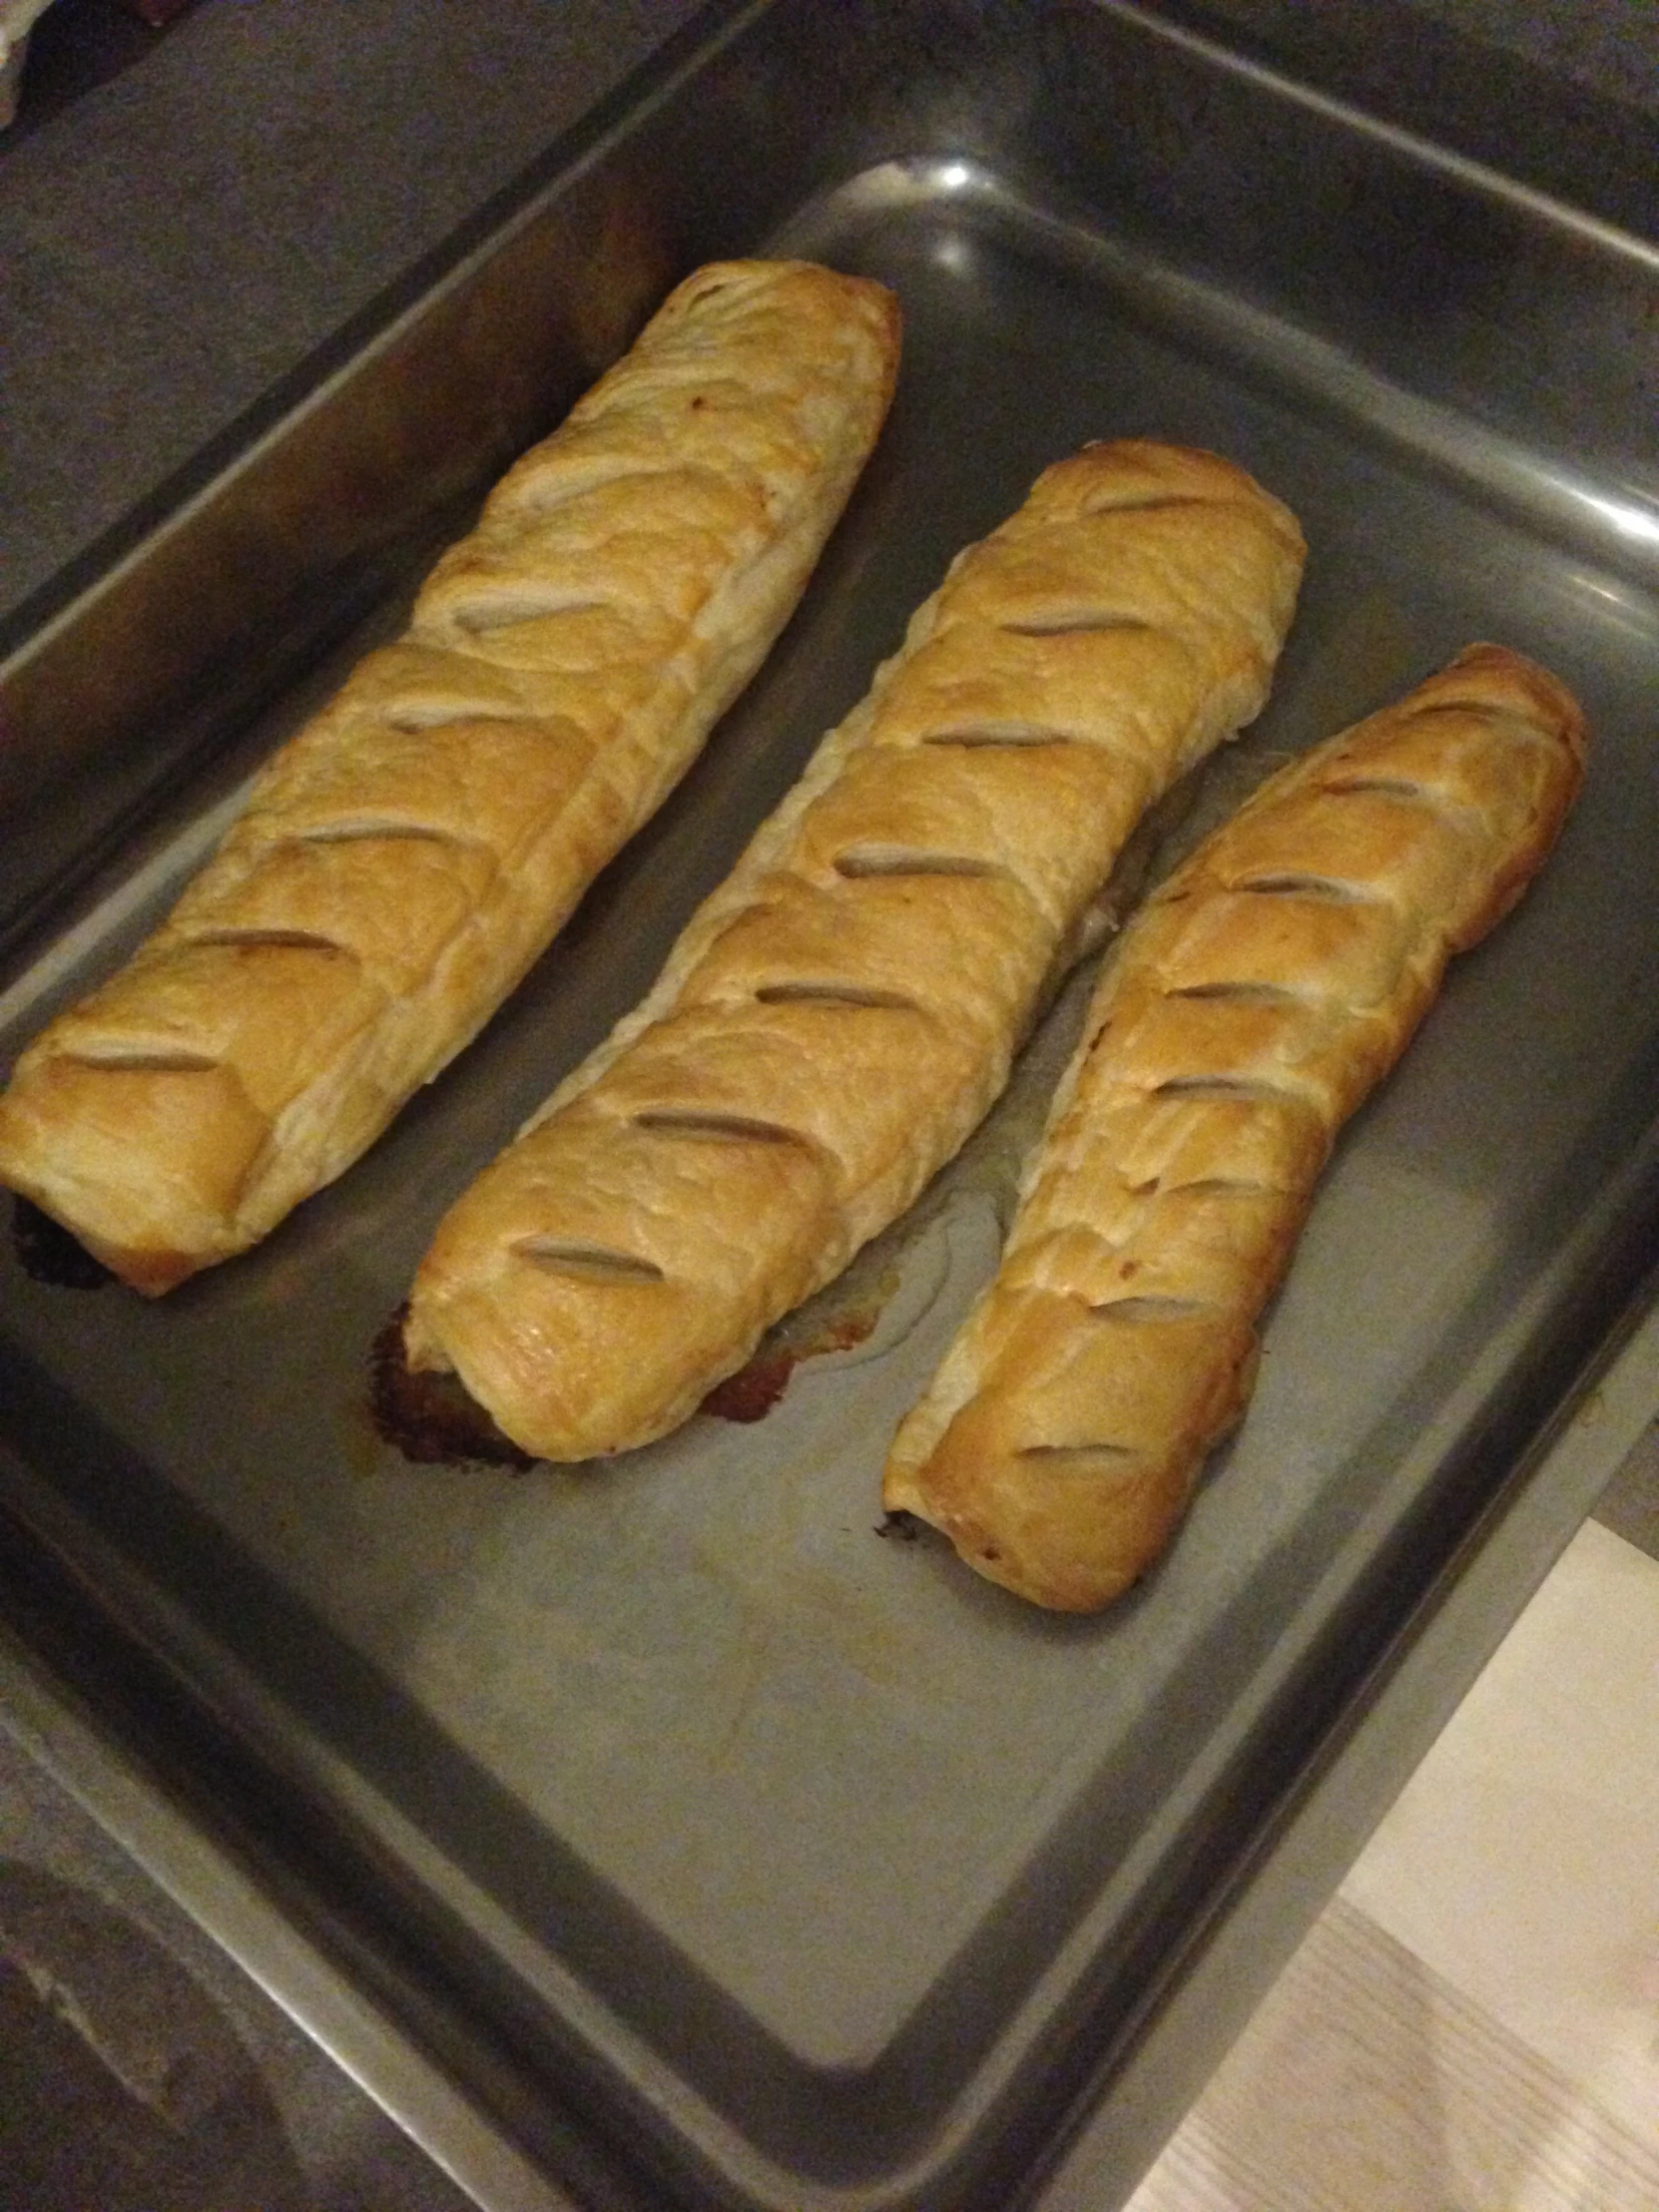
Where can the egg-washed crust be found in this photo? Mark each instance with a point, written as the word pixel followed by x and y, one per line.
pixel 1249 1009
pixel 840 1013
pixel 408 854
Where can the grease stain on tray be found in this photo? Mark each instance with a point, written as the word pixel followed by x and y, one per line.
pixel 751 1393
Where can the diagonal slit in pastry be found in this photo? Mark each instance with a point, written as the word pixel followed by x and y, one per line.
pixel 545 492
pixel 1002 733
pixel 835 994
pixel 1507 721
pixel 366 831
pixel 1070 621
pixel 1241 994
pixel 592 1263
pixel 680 1121
pixel 896 860
pixel 1132 1311
pixel 1382 787
pixel 143 1060
pixel 504 608
pixel 1151 503
pixel 1226 1086
pixel 1217 1185
pixel 1062 1454
pixel 1291 883
pixel 294 940
pixel 418 714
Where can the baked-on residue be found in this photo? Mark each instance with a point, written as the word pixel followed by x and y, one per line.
pixel 405 857
pixel 839 1013
pixel 1248 1009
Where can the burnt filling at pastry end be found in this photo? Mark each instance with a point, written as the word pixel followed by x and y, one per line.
pixel 898 1521
pixel 431 1418
pixel 48 1254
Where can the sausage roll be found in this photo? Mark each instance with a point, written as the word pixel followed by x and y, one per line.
pixel 408 854
pixel 842 1010
pixel 1252 1005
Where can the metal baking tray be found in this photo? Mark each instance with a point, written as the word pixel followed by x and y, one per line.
pixel 718 1848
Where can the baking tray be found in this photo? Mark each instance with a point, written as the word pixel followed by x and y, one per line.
pixel 722 1849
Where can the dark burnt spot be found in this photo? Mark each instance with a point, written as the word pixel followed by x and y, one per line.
pixel 47 1253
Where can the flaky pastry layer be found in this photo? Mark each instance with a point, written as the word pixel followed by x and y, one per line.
pixel 840 1013
pixel 408 854
pixel 1248 1009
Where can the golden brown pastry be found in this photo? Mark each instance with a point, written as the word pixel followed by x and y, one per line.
pixel 1247 1012
pixel 411 851
pixel 840 1014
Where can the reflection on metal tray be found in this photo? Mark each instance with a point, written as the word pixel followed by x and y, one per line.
pixel 722 1851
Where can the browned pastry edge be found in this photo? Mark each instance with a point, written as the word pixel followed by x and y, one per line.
pixel 1248 1009
pixel 843 1009
pixel 404 859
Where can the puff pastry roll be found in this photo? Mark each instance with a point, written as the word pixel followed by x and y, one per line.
pixel 1254 1001
pixel 840 1013
pixel 411 851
